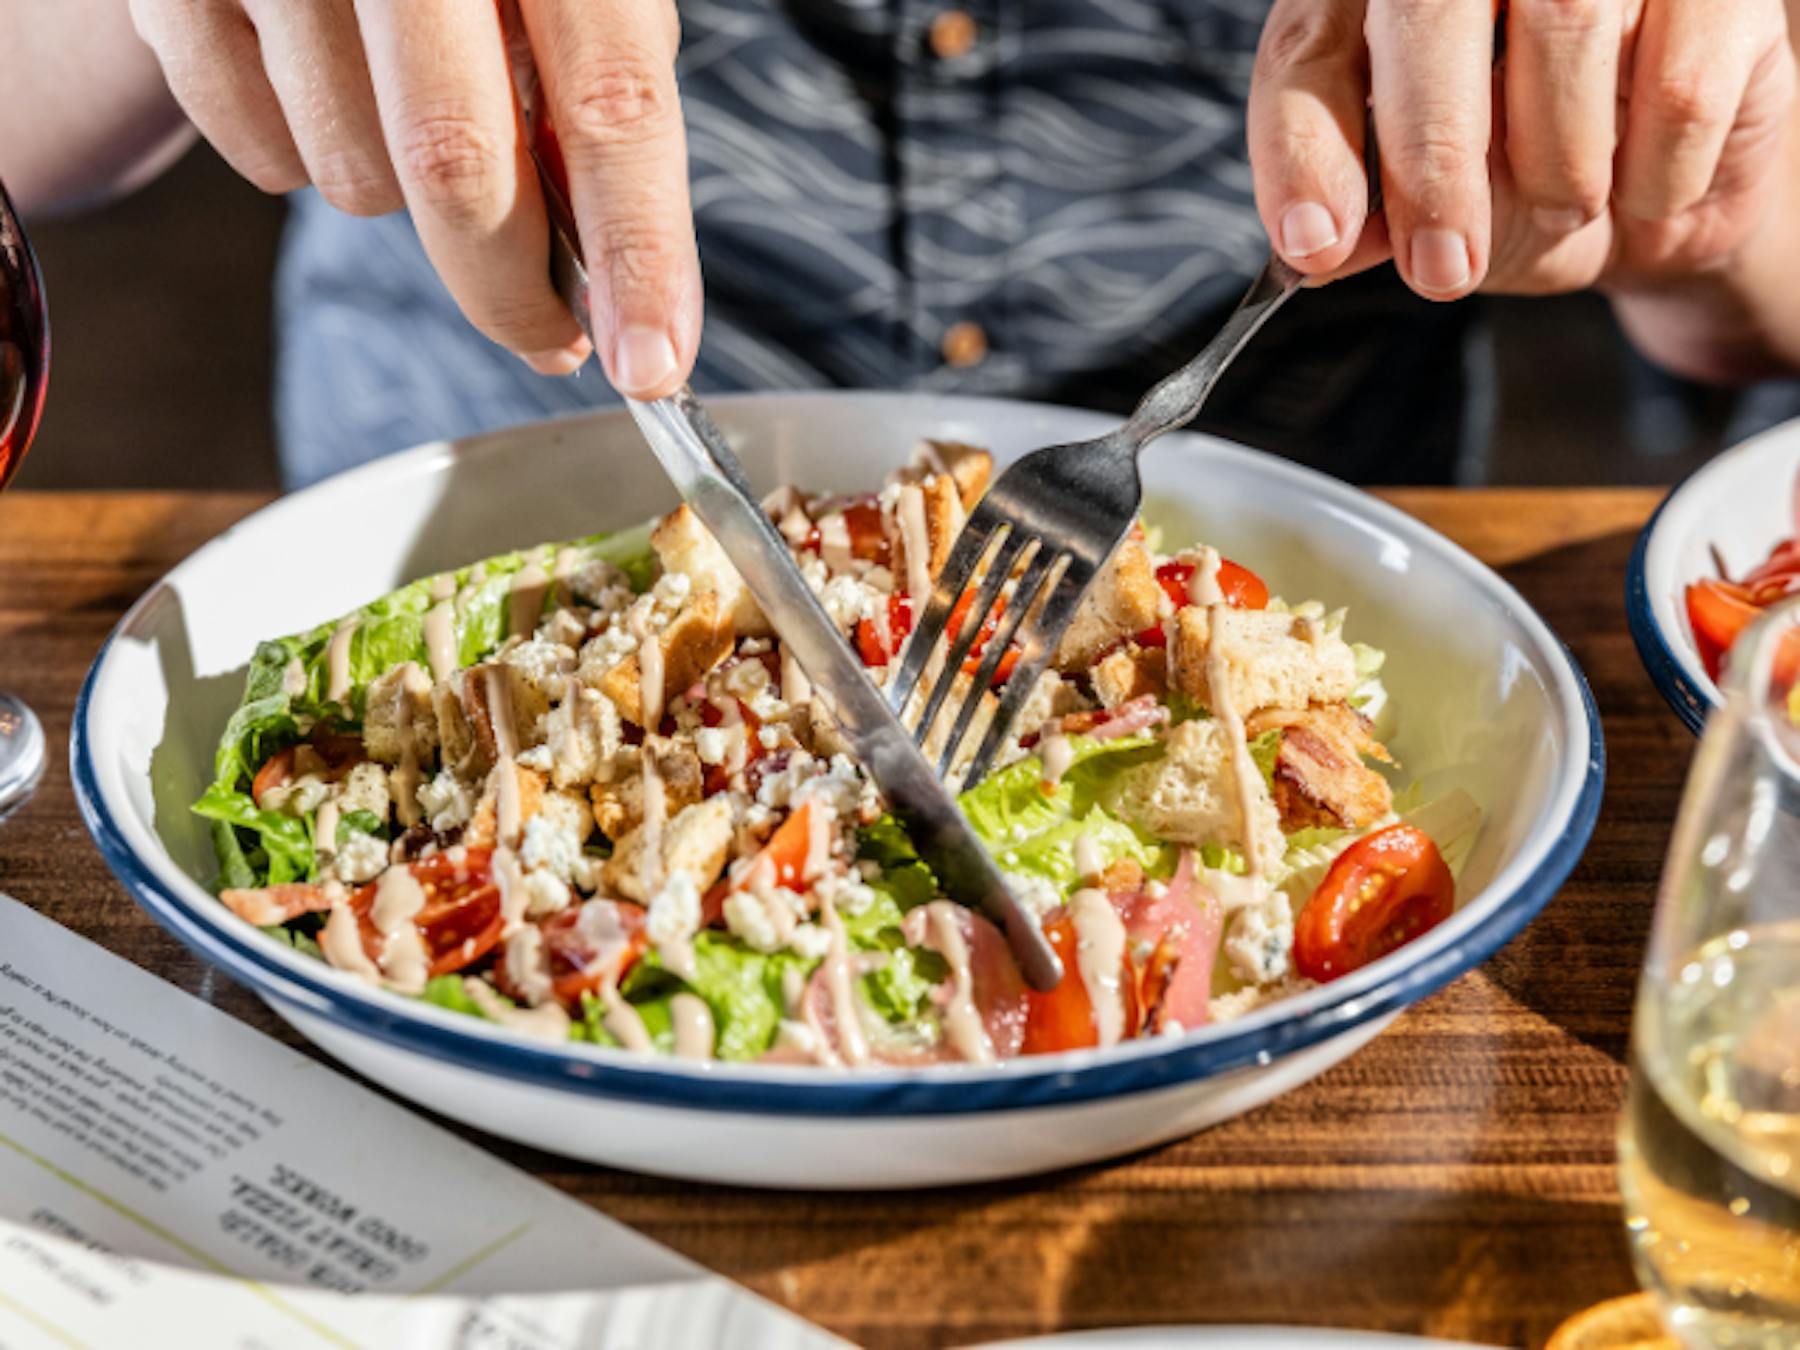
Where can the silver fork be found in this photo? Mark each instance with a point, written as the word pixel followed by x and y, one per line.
pixel 1059 513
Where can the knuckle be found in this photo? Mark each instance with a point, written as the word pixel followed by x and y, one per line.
pixel 1435 149
pixel 618 98
pixel 275 176
pixel 355 184
pixel 1689 97
pixel 453 163
pixel 1297 36
pixel 1561 19
pixel 637 256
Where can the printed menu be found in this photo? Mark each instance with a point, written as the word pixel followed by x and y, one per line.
pixel 170 1176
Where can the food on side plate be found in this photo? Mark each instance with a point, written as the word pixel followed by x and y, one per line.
pixel 1719 609
pixel 582 791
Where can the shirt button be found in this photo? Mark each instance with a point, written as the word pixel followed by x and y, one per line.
pixel 965 344
pixel 951 35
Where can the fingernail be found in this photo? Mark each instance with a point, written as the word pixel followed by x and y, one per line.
pixel 1440 261
pixel 643 361
pixel 1557 222
pixel 1307 228
pixel 559 360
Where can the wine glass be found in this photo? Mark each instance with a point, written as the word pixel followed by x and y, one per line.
pixel 24 375
pixel 1710 1144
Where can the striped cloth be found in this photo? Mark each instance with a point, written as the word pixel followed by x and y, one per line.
pixel 1074 185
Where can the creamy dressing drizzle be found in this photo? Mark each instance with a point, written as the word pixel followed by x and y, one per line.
pixel 650 682
pixel 795 687
pixel 693 1026
pixel 1203 585
pixel 293 678
pixel 477 578
pixel 1243 768
pixel 909 512
pixel 566 560
pixel 962 1024
pixel 677 955
pixel 440 639
pixel 624 1022
pixel 325 827
pixel 337 662
pixel 500 711
pixel 443 586
pixel 656 811
pixel 818 840
pixel 1088 862
pixel 406 781
pixel 341 941
pixel 509 879
pixel 525 601
pixel 1100 953
pixel 506 802
pixel 837 975
pixel 547 1022
pixel 1057 754
pixel 398 899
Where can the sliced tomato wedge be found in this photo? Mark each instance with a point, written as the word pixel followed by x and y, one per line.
pixel 277 769
pixel 328 754
pixel 783 856
pixel 869 645
pixel 1241 587
pixel 1061 1018
pixel 718 777
pixel 1718 611
pixel 868 538
pixel 1380 894
pixel 460 921
pixel 997 989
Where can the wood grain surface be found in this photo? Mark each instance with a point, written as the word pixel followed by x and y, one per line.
pixel 1454 1178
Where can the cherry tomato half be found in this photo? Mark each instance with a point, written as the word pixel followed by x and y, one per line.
pixel 1380 894
pixel 460 921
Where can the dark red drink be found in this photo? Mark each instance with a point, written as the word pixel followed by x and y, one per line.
pixel 24 342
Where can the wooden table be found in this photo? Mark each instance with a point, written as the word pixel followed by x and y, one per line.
pixel 1454 1178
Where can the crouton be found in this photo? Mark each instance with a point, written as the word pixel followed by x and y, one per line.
pixel 685 545
pixel 695 844
pixel 365 789
pixel 483 830
pixel 618 803
pixel 398 715
pixel 537 674
pixel 1274 660
pixel 582 733
pixel 459 747
pixel 698 639
pixel 970 466
pixel 1131 672
pixel 1123 601
pixel 1192 795
pixel 1320 776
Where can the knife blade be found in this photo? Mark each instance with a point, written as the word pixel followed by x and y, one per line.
pixel 712 482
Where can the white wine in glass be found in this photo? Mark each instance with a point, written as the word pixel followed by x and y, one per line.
pixel 1710 1145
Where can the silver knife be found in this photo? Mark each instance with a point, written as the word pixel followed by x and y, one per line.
pixel 711 481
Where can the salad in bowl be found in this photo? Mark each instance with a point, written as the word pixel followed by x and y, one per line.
pixel 582 791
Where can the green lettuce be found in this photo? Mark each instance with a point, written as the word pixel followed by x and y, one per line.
pixel 257 847
pixel 1032 831
pixel 742 987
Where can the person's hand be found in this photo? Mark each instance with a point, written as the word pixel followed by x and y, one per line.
pixel 1624 142
pixel 388 103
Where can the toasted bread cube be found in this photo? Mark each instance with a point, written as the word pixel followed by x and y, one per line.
pixel 537 673
pixel 618 803
pixel 583 734
pixel 1192 795
pixel 939 505
pixel 484 826
pixel 700 637
pixel 970 466
pixel 458 744
pixel 695 844
pixel 1320 775
pixel 398 715
pixel 1274 660
pixel 1124 600
pixel 685 545
pixel 1131 672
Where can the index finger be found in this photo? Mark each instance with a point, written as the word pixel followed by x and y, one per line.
pixel 1431 72
pixel 608 71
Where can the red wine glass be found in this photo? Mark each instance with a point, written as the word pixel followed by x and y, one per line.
pixel 24 374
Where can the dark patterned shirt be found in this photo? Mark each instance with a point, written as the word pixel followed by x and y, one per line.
pixel 1046 199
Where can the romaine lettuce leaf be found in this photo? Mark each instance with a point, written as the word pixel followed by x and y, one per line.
pixel 742 988
pixel 283 845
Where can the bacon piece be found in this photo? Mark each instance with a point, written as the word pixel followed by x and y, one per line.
pixel 1320 775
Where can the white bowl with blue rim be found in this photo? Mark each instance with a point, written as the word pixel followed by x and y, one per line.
pixel 1487 699
pixel 1742 504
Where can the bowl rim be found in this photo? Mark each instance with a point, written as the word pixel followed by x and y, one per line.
pixel 1690 700
pixel 285 977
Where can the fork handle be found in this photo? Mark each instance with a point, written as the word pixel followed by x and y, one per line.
pixel 1177 400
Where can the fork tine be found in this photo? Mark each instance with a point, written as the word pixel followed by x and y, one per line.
pixel 999 569
pixel 970 547
pixel 1039 646
pixel 1024 598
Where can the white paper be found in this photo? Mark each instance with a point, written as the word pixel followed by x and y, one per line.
pixel 169 1176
